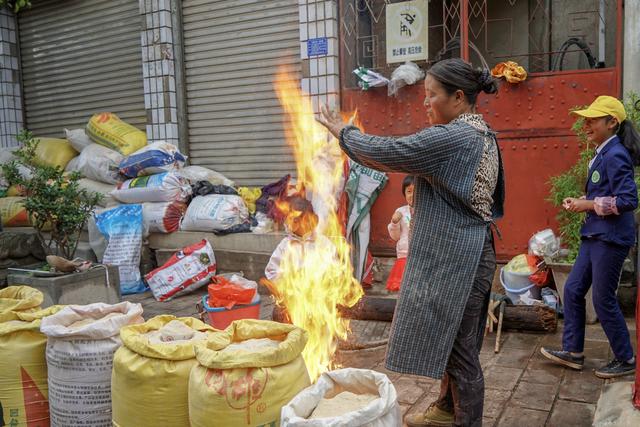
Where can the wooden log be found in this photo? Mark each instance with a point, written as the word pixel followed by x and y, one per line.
pixel 530 318
pixel 371 308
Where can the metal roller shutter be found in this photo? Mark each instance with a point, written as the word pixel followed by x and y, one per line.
pixel 232 50
pixel 80 57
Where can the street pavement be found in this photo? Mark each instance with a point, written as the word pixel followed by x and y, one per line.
pixel 522 387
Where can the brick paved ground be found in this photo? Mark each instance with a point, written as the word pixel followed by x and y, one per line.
pixel 522 388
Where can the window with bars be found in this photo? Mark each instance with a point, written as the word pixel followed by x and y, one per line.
pixel 541 35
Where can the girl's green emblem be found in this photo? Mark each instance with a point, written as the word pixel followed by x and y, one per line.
pixel 595 177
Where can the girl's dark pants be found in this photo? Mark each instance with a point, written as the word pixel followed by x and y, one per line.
pixel 598 266
pixel 462 387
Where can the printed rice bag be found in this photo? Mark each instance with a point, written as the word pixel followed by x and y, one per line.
pixel 163 217
pixel 154 158
pixel 215 212
pixel 186 271
pixel 108 130
pixel 163 187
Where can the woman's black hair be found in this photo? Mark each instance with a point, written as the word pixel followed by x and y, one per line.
pixel 455 74
pixel 406 182
pixel 630 139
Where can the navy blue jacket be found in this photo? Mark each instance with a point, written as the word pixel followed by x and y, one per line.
pixel 612 175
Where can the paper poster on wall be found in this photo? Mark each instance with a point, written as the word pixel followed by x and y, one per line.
pixel 407 31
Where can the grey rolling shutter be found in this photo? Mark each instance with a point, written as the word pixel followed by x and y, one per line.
pixel 232 51
pixel 80 57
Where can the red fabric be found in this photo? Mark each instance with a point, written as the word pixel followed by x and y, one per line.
pixel 541 277
pixel 636 388
pixel 395 276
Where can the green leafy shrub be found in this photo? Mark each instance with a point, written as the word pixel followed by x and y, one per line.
pixel 54 201
pixel 15 5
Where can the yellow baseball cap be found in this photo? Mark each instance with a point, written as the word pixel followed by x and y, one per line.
pixel 604 106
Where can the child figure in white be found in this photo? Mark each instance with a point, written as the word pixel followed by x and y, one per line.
pixel 399 231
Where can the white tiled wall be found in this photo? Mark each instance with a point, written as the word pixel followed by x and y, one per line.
pixel 10 94
pixel 158 70
pixel 320 73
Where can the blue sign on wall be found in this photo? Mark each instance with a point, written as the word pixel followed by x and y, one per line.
pixel 317 47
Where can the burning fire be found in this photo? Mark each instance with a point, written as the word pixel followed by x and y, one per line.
pixel 316 274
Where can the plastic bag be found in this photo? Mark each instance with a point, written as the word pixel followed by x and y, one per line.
pixel 122 227
pixel 406 74
pixel 163 187
pixel 82 339
pixel 54 152
pixel 100 188
pixel 186 271
pixel 163 217
pixel 264 224
pixel 382 412
pixel 215 212
pixel 544 243
pixel 226 293
pixel 108 130
pixel 154 158
pixel 250 195
pixel 369 78
pixel 78 139
pixel 199 173
pixel 244 386
pixel 98 163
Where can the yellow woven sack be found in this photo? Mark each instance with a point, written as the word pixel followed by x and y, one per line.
pixel 108 130
pixel 149 381
pixel 18 298
pixel 250 195
pixel 13 212
pixel 23 369
pixel 241 387
pixel 54 152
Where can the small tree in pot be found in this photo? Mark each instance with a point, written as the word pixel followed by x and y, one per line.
pixel 54 200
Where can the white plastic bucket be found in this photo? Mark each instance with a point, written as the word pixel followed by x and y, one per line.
pixel 515 294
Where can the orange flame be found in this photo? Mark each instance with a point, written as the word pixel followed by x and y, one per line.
pixel 316 275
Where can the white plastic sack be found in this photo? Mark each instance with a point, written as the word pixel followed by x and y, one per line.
pixel 78 139
pixel 6 156
pixel 81 341
pixel 544 243
pixel 215 212
pixel 406 74
pixel 186 271
pixel 382 412
pixel 152 159
pixel 163 187
pixel 163 217
pixel 101 188
pixel 97 163
pixel 123 229
pixel 198 173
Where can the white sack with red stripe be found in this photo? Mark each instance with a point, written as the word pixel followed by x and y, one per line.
pixel 186 270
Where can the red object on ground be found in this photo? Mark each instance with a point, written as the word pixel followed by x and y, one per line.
pixel 224 293
pixel 395 276
pixel 636 388
pixel 220 317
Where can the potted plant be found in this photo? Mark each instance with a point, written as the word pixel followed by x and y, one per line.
pixel 571 184
pixel 58 208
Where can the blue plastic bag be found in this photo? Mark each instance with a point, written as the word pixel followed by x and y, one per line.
pixel 122 226
pixel 154 158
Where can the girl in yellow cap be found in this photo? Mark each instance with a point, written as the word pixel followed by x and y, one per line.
pixel 607 235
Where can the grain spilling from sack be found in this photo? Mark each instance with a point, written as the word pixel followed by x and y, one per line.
pixel 341 404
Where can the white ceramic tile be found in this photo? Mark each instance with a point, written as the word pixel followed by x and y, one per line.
pixel 322 66
pixel 172 99
pixel 333 84
pixel 333 46
pixel 314 86
pixel 330 26
pixel 311 12
pixel 322 84
pixel 312 30
pixel 174 115
pixel 303 32
pixel 320 29
pixel 146 85
pixel 302 13
pixel 303 50
pixel 331 65
pixel 329 9
pixel 154 117
pixel 162 130
pixel 149 131
pixel 313 67
pixel 305 85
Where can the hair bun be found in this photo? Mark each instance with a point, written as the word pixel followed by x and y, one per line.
pixel 487 82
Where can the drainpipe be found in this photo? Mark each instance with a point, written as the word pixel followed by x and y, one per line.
pixel 631 48
pixel 181 88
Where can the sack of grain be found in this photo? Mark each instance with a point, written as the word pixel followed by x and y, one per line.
pixel 152 159
pixel 13 212
pixel 54 152
pixel 81 341
pixel 163 187
pixel 108 130
pixel 163 217
pixel 186 270
pixel 345 397
pixel 246 374
pixel 101 188
pixel 199 173
pixel 215 212
pixel 97 163
pixel 23 368
pixel 151 374
pixel 78 139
